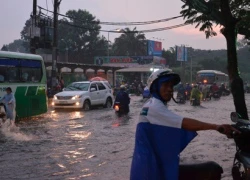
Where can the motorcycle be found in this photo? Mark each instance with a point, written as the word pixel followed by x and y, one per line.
pixel 241 166
pixel 2 114
pixel 216 95
pixel 146 93
pixel 181 98
pixel 195 102
pixel 119 109
pixel 187 94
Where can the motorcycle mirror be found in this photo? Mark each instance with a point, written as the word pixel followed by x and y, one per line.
pixel 234 117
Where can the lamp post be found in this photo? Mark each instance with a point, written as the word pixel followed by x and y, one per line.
pixel 67 50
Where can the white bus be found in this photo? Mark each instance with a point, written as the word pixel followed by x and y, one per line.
pixel 212 76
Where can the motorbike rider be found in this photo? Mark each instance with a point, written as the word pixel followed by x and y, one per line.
pixel 223 89
pixel 188 89
pixel 214 88
pixel 161 135
pixel 195 93
pixel 123 98
pixel 204 91
pixel 181 90
pixel 10 104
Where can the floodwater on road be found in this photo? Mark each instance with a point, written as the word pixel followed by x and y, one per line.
pixel 72 145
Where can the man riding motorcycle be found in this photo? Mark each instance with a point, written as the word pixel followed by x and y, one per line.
pixel 196 94
pixel 162 135
pixel 123 99
pixel 188 90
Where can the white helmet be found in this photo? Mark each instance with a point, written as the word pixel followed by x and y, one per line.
pixel 162 73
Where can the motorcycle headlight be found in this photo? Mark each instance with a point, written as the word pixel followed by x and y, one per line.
pixel 55 98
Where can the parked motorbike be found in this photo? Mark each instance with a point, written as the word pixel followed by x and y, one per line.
pixel 241 166
pixel 119 109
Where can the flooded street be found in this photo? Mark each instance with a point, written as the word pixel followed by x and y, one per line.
pixel 98 145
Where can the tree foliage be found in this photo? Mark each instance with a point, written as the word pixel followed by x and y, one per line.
pixel 16 46
pixel 207 14
pixel 4 48
pixel 80 34
pixel 131 43
pixel 234 18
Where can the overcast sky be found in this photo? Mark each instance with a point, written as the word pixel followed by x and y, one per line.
pixel 14 13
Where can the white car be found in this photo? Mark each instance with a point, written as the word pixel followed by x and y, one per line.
pixel 84 95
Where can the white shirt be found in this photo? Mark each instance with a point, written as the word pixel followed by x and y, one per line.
pixel 155 112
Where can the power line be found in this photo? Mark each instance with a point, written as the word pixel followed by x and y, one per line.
pixel 139 31
pixel 119 23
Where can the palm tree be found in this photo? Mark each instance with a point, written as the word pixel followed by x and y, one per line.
pixel 130 43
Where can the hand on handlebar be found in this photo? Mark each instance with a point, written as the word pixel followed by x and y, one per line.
pixel 228 130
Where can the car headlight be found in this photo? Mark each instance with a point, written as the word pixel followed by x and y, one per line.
pixel 76 97
pixel 55 98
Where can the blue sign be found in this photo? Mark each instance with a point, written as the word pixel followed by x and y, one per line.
pixel 154 48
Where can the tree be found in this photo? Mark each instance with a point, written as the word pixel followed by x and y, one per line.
pixel 80 34
pixel 234 19
pixel 4 48
pixel 170 56
pixel 130 43
pixel 25 36
pixel 16 46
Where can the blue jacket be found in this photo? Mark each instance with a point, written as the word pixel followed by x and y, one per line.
pixel 159 141
pixel 123 98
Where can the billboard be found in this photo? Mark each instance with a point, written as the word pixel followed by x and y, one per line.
pixel 100 60
pixel 154 48
pixel 181 53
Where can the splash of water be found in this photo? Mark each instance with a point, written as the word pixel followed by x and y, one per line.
pixel 11 131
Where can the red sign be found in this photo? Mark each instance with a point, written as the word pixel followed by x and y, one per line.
pixel 121 60
pixel 158 46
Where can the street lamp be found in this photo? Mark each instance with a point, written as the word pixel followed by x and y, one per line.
pixel 67 50
pixel 117 30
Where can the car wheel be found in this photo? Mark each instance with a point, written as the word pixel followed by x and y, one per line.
pixel 108 103
pixel 86 105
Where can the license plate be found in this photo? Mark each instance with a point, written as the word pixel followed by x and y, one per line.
pixel 63 102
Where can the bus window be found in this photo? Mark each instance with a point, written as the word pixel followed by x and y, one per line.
pixel 9 71
pixel 13 74
pixel 31 71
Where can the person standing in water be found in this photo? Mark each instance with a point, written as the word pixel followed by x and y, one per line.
pixel 10 105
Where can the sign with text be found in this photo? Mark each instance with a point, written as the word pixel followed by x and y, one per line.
pixel 154 48
pixel 100 60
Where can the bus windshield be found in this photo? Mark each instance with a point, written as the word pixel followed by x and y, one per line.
pixel 206 78
pixel 20 70
pixel 77 87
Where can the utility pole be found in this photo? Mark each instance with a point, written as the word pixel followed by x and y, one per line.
pixel 54 47
pixel 191 66
pixel 33 24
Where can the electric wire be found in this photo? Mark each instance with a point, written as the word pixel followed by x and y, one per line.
pixel 138 31
pixel 118 23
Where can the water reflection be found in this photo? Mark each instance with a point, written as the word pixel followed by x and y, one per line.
pixel 80 134
pixel 121 121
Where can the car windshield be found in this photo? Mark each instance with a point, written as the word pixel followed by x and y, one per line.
pixel 77 87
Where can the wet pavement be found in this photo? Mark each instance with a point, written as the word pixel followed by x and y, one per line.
pixel 98 145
